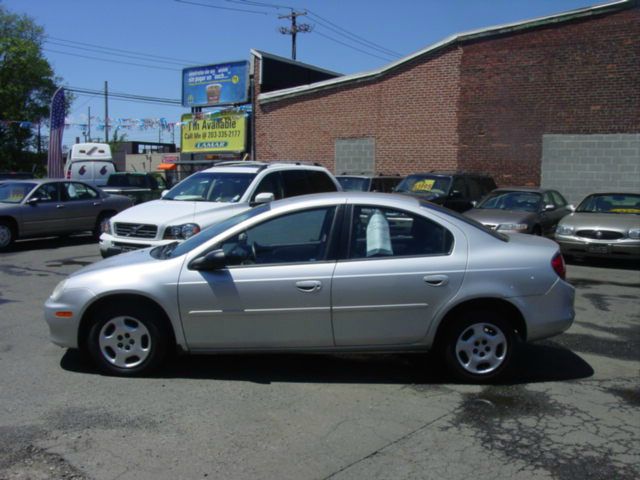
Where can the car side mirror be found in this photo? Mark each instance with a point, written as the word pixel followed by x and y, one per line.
pixel 549 207
pixel 163 193
pixel 474 203
pixel 33 201
pixel 571 207
pixel 213 260
pixel 264 197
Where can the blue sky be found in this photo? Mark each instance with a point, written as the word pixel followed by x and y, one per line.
pixel 183 33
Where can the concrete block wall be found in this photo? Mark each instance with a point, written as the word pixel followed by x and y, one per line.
pixel 355 156
pixel 577 165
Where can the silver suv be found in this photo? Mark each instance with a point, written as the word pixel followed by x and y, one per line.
pixel 208 197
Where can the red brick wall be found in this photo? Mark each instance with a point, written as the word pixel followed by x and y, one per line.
pixel 575 78
pixel 477 106
pixel 410 112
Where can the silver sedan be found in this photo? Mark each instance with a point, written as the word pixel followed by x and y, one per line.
pixel 46 207
pixel 340 272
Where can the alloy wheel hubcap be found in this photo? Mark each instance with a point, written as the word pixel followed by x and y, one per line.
pixel 481 348
pixel 124 342
pixel 5 235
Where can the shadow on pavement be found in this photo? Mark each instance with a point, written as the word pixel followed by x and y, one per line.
pixel 541 362
pixel 50 243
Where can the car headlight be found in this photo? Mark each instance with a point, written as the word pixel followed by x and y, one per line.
pixel 105 226
pixel 518 227
pixel 55 295
pixel 634 233
pixel 181 232
pixel 565 230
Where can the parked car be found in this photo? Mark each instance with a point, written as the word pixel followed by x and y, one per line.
pixel 368 183
pixel 208 197
pixel 45 207
pixel 139 187
pixel 521 210
pixel 15 176
pixel 457 191
pixel 90 163
pixel 603 225
pixel 337 272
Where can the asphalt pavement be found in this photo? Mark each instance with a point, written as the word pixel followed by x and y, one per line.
pixel 572 411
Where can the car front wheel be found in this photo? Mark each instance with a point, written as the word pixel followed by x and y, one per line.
pixel 127 340
pixel 478 348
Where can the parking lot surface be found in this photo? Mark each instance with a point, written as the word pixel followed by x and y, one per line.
pixel 572 411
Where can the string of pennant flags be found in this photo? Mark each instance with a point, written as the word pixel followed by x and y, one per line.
pixel 139 124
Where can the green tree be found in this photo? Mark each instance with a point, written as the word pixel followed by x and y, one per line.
pixel 27 83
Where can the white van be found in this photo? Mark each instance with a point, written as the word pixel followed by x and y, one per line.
pixel 90 163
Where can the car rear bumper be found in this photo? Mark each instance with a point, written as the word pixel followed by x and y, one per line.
pixel 549 314
pixel 626 248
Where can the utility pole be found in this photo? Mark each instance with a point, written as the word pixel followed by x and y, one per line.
pixel 295 28
pixel 106 112
pixel 89 124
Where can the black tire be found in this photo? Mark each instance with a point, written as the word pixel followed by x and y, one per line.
pixel 7 234
pixel 127 340
pixel 97 229
pixel 484 360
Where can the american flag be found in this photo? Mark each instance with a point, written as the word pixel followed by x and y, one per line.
pixel 54 161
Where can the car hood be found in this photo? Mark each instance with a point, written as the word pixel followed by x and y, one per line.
pixel 601 221
pixel 176 212
pixel 496 217
pixel 128 259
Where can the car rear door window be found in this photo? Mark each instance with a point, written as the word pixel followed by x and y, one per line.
pixel 381 232
pixel 296 182
pixel 78 191
pixel 559 199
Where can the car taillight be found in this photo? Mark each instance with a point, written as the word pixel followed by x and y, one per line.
pixel 68 174
pixel 557 263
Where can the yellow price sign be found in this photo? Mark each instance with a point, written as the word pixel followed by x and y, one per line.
pixel 423 185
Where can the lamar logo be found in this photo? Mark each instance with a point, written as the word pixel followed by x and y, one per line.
pixel 103 170
pixel 82 170
pixel 211 144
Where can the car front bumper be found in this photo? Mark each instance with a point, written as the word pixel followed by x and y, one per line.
pixel 624 248
pixel 110 245
pixel 64 314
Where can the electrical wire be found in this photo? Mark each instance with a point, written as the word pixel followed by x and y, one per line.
pixel 112 61
pixel 221 8
pixel 142 54
pixel 352 47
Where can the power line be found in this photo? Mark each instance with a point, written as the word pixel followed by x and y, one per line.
pixel 123 95
pixel 124 55
pixel 113 61
pixel 352 36
pixel 352 47
pixel 142 54
pixel 208 5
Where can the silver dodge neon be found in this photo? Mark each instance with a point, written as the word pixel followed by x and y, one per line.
pixel 336 272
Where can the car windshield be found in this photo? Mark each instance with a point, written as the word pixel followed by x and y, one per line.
pixel 424 185
pixel 354 184
pixel 177 249
pixel 611 203
pixel 211 187
pixel 518 201
pixel 14 192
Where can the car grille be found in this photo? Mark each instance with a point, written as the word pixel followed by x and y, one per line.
pixel 135 230
pixel 599 234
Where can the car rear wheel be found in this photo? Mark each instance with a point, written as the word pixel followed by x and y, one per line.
pixel 127 340
pixel 7 236
pixel 478 347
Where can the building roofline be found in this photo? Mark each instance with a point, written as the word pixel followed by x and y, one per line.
pixel 600 9
pixel 261 54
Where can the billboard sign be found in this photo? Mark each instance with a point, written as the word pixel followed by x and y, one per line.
pixel 224 132
pixel 211 85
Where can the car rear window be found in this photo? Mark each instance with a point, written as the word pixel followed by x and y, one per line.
pixel 467 220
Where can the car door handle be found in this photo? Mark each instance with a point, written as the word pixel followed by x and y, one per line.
pixel 309 286
pixel 436 280
pixel 95 204
pixel 59 205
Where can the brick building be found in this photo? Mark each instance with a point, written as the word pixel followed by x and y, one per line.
pixel 552 101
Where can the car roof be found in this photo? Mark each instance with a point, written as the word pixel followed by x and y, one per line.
pixel 351 197
pixel 255 167
pixel 524 189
